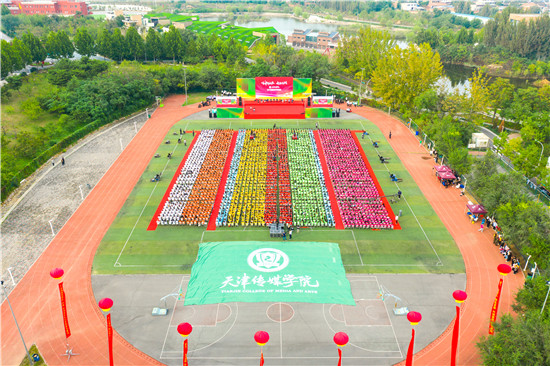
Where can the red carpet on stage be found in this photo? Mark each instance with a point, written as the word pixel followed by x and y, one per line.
pixel 328 181
pixel 274 110
pixel 396 225
pixel 153 223
pixel 221 187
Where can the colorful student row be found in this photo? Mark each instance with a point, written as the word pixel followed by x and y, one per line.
pixel 274 175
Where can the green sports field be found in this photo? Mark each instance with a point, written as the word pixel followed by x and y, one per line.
pixel 422 246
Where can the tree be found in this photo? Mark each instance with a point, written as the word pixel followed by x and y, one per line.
pixel 134 44
pixel 118 45
pixel 65 45
pixel 38 52
pixel 7 63
pixel 153 46
pixel 19 54
pixel 363 50
pixel 53 48
pixel 84 43
pixel 31 108
pixel 404 74
pixel 173 43
pixel 521 341
pixel 104 43
pixel 5 10
pixel 479 96
pixel 500 93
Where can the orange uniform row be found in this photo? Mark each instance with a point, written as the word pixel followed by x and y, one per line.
pixel 203 194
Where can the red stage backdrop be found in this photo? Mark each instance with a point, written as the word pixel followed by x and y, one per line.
pixel 274 87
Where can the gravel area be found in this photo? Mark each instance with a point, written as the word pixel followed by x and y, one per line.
pixel 47 199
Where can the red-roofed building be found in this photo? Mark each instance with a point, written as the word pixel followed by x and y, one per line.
pixel 49 7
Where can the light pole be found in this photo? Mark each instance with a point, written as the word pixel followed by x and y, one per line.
pixel 540 157
pixel 361 85
pixel 548 292
pixel 16 324
pixel 185 82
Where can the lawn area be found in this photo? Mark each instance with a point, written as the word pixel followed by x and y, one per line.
pixel 422 246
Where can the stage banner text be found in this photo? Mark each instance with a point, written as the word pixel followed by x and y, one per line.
pixel 274 87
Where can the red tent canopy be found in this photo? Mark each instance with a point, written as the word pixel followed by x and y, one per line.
pixel 476 209
pixel 446 175
pixel 442 168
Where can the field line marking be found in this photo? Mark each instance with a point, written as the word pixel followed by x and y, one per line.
pixel 281 329
pixel 357 246
pixel 117 263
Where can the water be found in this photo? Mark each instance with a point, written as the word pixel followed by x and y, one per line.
pixel 283 25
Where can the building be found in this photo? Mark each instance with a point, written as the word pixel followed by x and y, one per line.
pixel 49 7
pixel 309 39
pixel 526 17
pixel 411 7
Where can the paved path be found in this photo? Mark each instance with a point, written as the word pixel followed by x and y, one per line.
pixel 481 257
pixel 36 299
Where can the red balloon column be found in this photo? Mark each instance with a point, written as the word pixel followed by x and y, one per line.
pixel 184 329
pixel 415 318
pixel 503 269
pixel 341 339
pixel 57 274
pixel 106 304
pixel 460 297
pixel 261 338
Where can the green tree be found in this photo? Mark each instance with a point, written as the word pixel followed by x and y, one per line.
pixel 134 44
pixel 173 43
pixel 31 108
pixel 6 57
pixel 38 53
pixel 500 93
pixel 24 54
pixel 84 43
pixel 104 43
pixel 53 48
pixel 404 74
pixel 5 10
pixel 517 342
pixel 363 50
pixel 65 45
pixel 118 45
pixel 153 46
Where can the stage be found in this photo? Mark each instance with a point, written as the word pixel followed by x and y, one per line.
pixel 280 109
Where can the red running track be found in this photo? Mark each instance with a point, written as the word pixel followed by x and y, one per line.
pixel 396 225
pixel 221 188
pixel 481 257
pixel 153 224
pixel 330 188
pixel 35 299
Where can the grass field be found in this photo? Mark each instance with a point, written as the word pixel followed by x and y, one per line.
pixel 422 246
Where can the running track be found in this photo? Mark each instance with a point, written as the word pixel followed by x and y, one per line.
pixel 36 298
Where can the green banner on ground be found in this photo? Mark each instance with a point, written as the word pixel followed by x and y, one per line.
pixel 257 271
